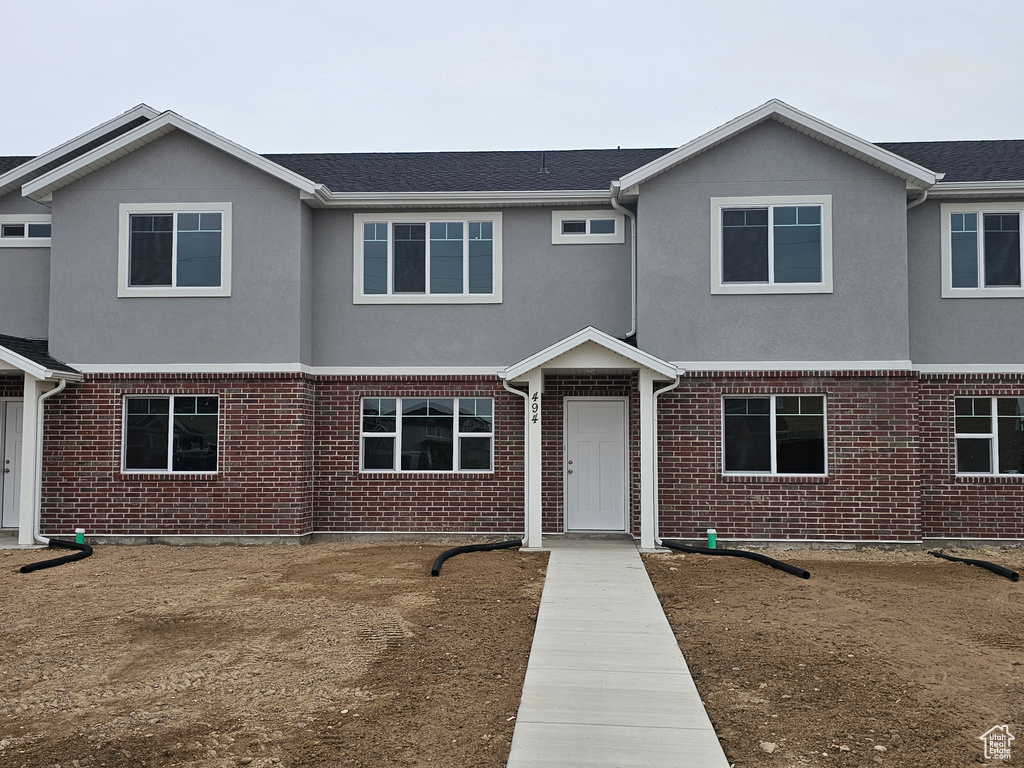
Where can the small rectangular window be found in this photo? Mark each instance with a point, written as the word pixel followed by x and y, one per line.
pixel 427 434
pixel 170 433
pixel 25 230
pixel 592 227
pixel 777 435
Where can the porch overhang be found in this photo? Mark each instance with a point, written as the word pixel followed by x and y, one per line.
pixel 592 351
pixel 32 357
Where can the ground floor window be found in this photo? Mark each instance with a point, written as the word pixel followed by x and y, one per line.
pixel 170 433
pixel 427 434
pixel 777 435
pixel 989 435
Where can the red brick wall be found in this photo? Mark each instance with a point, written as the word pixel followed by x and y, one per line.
pixel 349 500
pixel 12 386
pixel 871 491
pixel 965 507
pixel 264 479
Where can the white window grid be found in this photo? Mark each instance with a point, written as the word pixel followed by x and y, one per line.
pixel 457 436
pixel 772 427
pixel 587 217
pixel 8 222
pixel 426 297
pixel 992 436
pixel 170 437
pixel 981 291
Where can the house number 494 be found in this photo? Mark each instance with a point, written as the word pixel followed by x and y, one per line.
pixel 535 408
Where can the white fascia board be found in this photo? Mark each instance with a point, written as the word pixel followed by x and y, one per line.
pixel 589 334
pixel 14 177
pixel 793 118
pixel 980 368
pixel 378 200
pixel 754 366
pixel 978 189
pixel 41 189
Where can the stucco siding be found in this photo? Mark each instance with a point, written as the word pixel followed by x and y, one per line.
pixel 258 323
pixel 954 331
pixel 863 319
pixel 549 292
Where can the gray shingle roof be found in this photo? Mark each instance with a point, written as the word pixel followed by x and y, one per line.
pixel 8 163
pixel 580 169
pixel 36 350
pixel 966 160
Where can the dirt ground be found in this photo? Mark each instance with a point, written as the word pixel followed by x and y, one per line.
pixel 267 657
pixel 887 658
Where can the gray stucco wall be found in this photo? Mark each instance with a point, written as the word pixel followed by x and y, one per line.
pixel 24 279
pixel 259 323
pixel 865 318
pixel 549 292
pixel 954 331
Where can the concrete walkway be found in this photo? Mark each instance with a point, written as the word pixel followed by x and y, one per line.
pixel 606 684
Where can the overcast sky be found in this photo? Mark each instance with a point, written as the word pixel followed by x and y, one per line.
pixel 418 75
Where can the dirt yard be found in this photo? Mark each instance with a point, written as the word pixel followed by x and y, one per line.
pixel 266 657
pixel 896 659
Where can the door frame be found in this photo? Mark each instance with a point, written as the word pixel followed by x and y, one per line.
pixel 3 451
pixel 626 475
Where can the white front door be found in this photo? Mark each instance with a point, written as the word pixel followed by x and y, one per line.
pixel 595 464
pixel 10 455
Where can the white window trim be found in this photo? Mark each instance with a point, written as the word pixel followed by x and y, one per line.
pixel 992 436
pixel 981 292
pixel 26 241
pixel 397 435
pixel 170 444
pixel 774 447
pixel 588 215
pixel 137 291
pixel 718 204
pixel 419 217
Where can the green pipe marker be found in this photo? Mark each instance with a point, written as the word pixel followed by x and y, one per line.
pixel 712 538
pixel 79 535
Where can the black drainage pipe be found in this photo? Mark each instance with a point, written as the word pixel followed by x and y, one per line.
pixel 436 570
pixel 84 550
pixel 771 561
pixel 1011 575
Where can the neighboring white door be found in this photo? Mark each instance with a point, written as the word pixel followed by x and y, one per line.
pixel 10 479
pixel 595 464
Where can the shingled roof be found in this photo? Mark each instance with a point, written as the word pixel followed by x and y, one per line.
pixel 579 169
pixel 997 160
pixel 36 350
pixel 8 163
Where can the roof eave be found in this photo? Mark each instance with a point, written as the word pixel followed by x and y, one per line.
pixel 17 176
pixel 977 189
pixel 467 199
pixel 793 118
pixel 42 188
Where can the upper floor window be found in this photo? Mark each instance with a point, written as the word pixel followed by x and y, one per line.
pixel 982 255
pixel 774 435
pixel 590 226
pixel 427 258
pixel 175 250
pixel 771 244
pixel 989 435
pixel 31 230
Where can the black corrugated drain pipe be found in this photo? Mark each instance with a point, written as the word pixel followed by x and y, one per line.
pixel 770 561
pixel 436 570
pixel 1006 572
pixel 84 550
